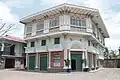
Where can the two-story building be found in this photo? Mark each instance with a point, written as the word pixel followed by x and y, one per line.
pixel 63 32
pixel 12 53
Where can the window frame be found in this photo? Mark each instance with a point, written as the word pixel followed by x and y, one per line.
pixel 55 40
pixel 32 44
pixel 77 21
pixel 54 22
pixel 43 44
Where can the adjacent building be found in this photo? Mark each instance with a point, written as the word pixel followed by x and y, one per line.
pixel 12 52
pixel 64 32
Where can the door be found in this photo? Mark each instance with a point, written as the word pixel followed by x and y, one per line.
pixel 77 59
pixel 9 63
pixel 73 64
pixel 31 62
pixel 43 62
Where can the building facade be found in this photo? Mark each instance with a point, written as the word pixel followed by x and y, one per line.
pixel 64 32
pixel 12 52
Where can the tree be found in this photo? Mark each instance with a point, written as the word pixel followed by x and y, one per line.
pixel 113 54
pixel 4 29
pixel 106 53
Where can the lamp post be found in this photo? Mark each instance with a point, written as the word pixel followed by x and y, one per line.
pixel 119 50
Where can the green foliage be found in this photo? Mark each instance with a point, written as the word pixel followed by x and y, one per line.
pixel 106 53
pixel 112 54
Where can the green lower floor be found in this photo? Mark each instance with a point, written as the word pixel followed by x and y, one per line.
pixel 55 60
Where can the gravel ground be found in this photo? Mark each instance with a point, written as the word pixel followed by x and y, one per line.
pixel 105 74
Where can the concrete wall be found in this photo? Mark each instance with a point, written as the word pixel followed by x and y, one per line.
pixel 64 24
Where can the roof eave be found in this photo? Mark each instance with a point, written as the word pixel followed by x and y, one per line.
pixel 24 19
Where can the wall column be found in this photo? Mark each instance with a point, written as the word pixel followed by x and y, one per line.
pixel 37 64
pixel 97 57
pixel 69 56
pixel 2 48
pixel 83 58
pixel 65 58
pixel 92 60
pixel 49 65
pixel 86 57
pixel 26 60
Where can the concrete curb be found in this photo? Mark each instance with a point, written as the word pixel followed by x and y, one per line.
pixel 93 71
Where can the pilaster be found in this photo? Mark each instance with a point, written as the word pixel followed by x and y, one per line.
pixel 49 55
pixel 64 21
pixel 37 60
pixel 26 60
pixel 83 58
pixel 86 57
pixel 34 28
pixel 46 26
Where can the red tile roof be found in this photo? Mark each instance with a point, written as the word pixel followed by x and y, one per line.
pixel 17 39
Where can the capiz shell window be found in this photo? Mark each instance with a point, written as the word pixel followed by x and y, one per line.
pixel 28 28
pixel 54 22
pixel 56 60
pixel 40 25
pixel 77 21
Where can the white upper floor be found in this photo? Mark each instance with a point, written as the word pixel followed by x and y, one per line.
pixel 65 17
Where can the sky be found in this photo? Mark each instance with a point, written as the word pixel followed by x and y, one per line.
pixel 12 10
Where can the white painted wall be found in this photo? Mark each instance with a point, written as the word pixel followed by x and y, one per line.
pixel 64 24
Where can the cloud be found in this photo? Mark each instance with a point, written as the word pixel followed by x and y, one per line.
pixel 110 18
pixel 109 9
pixel 19 3
pixel 10 18
pixel 6 15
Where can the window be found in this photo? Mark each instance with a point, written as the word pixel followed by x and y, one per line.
pixel 73 21
pixel 93 45
pixel 28 28
pixel 83 21
pixel 40 25
pixel 43 42
pixel 32 44
pixel 56 60
pixel 77 21
pixel 57 40
pixel 88 43
pixel 54 22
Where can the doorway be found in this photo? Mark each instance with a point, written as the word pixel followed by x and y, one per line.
pixel 9 63
pixel 43 62
pixel 73 64
pixel 76 61
pixel 31 62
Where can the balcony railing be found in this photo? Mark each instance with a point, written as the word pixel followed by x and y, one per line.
pixel 41 49
pixel 78 29
pixel 92 49
pixel 40 32
pixel 28 34
pixel 29 49
pixel 54 29
pixel 56 47
pixel 8 53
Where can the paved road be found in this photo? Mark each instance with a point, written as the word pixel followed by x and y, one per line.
pixel 105 74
